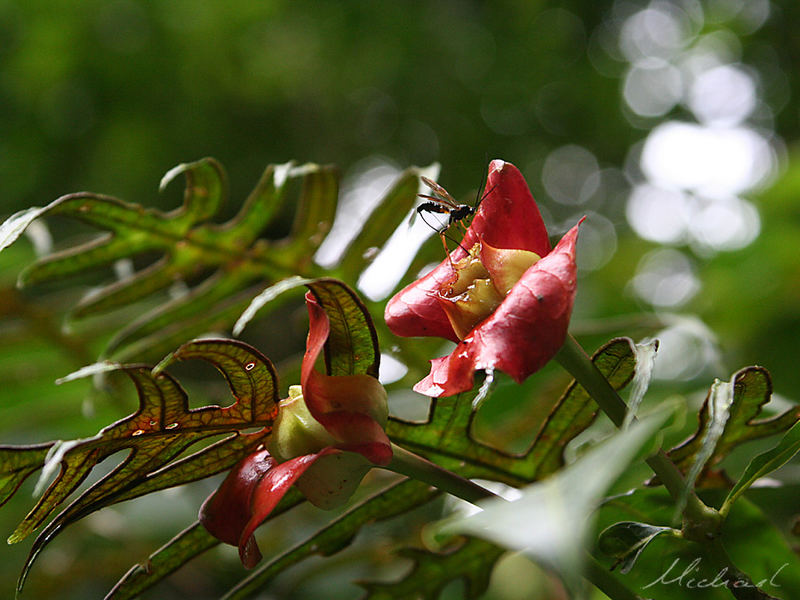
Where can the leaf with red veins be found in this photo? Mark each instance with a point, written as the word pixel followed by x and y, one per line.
pixel 522 334
pixel 506 218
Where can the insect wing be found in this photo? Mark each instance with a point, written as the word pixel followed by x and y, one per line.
pixel 443 195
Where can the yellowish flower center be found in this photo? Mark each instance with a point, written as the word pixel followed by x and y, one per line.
pixel 482 280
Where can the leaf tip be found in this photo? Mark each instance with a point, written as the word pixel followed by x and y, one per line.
pixel 90 370
pixel 14 538
pixel 163 364
pixel 170 175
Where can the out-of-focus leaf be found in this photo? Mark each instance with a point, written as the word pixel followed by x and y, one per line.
pixel 447 433
pixel 549 522
pixel 626 540
pixel 230 258
pixel 765 463
pixel 189 543
pixel 161 430
pixel 390 212
pixel 227 264
pixel 752 389
pixel 472 561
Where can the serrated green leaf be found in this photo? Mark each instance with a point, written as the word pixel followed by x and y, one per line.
pixel 230 259
pixel 752 389
pixel 390 212
pixel 157 434
pixel 626 540
pixel 472 561
pixel 765 463
pixel 446 438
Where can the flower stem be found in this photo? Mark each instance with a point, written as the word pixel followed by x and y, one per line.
pixel 607 583
pixel 701 523
pixel 414 466
pixel 573 358
pixel 738 583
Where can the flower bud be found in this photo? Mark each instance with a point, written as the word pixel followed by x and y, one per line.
pixel 332 479
pixel 295 432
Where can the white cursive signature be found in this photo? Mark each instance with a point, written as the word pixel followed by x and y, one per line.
pixel 690 578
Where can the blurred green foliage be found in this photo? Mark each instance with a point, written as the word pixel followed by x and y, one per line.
pixel 106 96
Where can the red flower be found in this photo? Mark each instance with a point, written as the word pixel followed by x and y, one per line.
pixel 503 295
pixel 328 434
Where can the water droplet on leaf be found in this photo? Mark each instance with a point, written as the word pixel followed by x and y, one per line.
pixel 171 426
pixel 138 432
pixel 250 366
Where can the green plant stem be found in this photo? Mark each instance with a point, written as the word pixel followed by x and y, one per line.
pixel 701 523
pixel 414 466
pixel 607 583
pixel 573 358
pixel 739 583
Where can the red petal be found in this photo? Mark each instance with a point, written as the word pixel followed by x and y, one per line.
pixel 415 311
pixel 357 432
pixel 266 495
pixel 507 218
pixel 522 334
pixel 226 512
pixel 319 328
pixel 340 403
pixel 351 424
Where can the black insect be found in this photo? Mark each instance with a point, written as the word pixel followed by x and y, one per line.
pixel 441 202
pixel 444 204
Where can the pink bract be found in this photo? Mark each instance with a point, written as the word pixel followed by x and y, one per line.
pixel 257 483
pixel 529 326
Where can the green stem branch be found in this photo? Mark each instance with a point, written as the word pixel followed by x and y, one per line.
pixel 739 583
pixel 701 523
pixel 607 583
pixel 414 466
pixel 573 358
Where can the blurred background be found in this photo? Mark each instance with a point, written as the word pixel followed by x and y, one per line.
pixel 672 125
